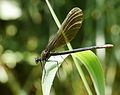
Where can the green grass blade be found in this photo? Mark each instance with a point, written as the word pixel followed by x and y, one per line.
pixel 53 14
pixel 69 47
pixel 92 64
pixel 99 87
pixel 49 72
pixel 80 72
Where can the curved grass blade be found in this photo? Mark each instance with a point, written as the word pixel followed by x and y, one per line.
pixel 92 64
pixel 49 72
pixel 69 46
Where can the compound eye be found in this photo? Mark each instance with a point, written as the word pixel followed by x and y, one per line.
pixel 37 60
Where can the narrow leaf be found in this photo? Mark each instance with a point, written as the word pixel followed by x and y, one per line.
pixel 49 72
pixel 92 64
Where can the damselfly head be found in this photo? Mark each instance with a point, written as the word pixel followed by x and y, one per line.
pixel 38 60
pixel 44 56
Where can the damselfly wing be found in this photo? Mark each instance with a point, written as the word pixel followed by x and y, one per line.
pixel 66 33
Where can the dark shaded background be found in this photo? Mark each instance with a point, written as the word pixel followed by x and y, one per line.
pixel 24 37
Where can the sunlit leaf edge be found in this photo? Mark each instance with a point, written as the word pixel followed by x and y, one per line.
pixel 92 64
pixel 49 72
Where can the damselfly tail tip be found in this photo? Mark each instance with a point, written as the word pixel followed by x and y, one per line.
pixel 108 45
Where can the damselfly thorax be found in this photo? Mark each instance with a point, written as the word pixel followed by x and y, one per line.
pixel 44 56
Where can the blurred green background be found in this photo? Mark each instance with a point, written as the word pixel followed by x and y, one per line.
pixel 25 28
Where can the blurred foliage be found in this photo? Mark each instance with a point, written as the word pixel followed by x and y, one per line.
pixel 23 37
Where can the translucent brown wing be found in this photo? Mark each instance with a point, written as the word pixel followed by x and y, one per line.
pixel 68 30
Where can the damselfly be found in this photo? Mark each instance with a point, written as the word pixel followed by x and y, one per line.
pixel 65 34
